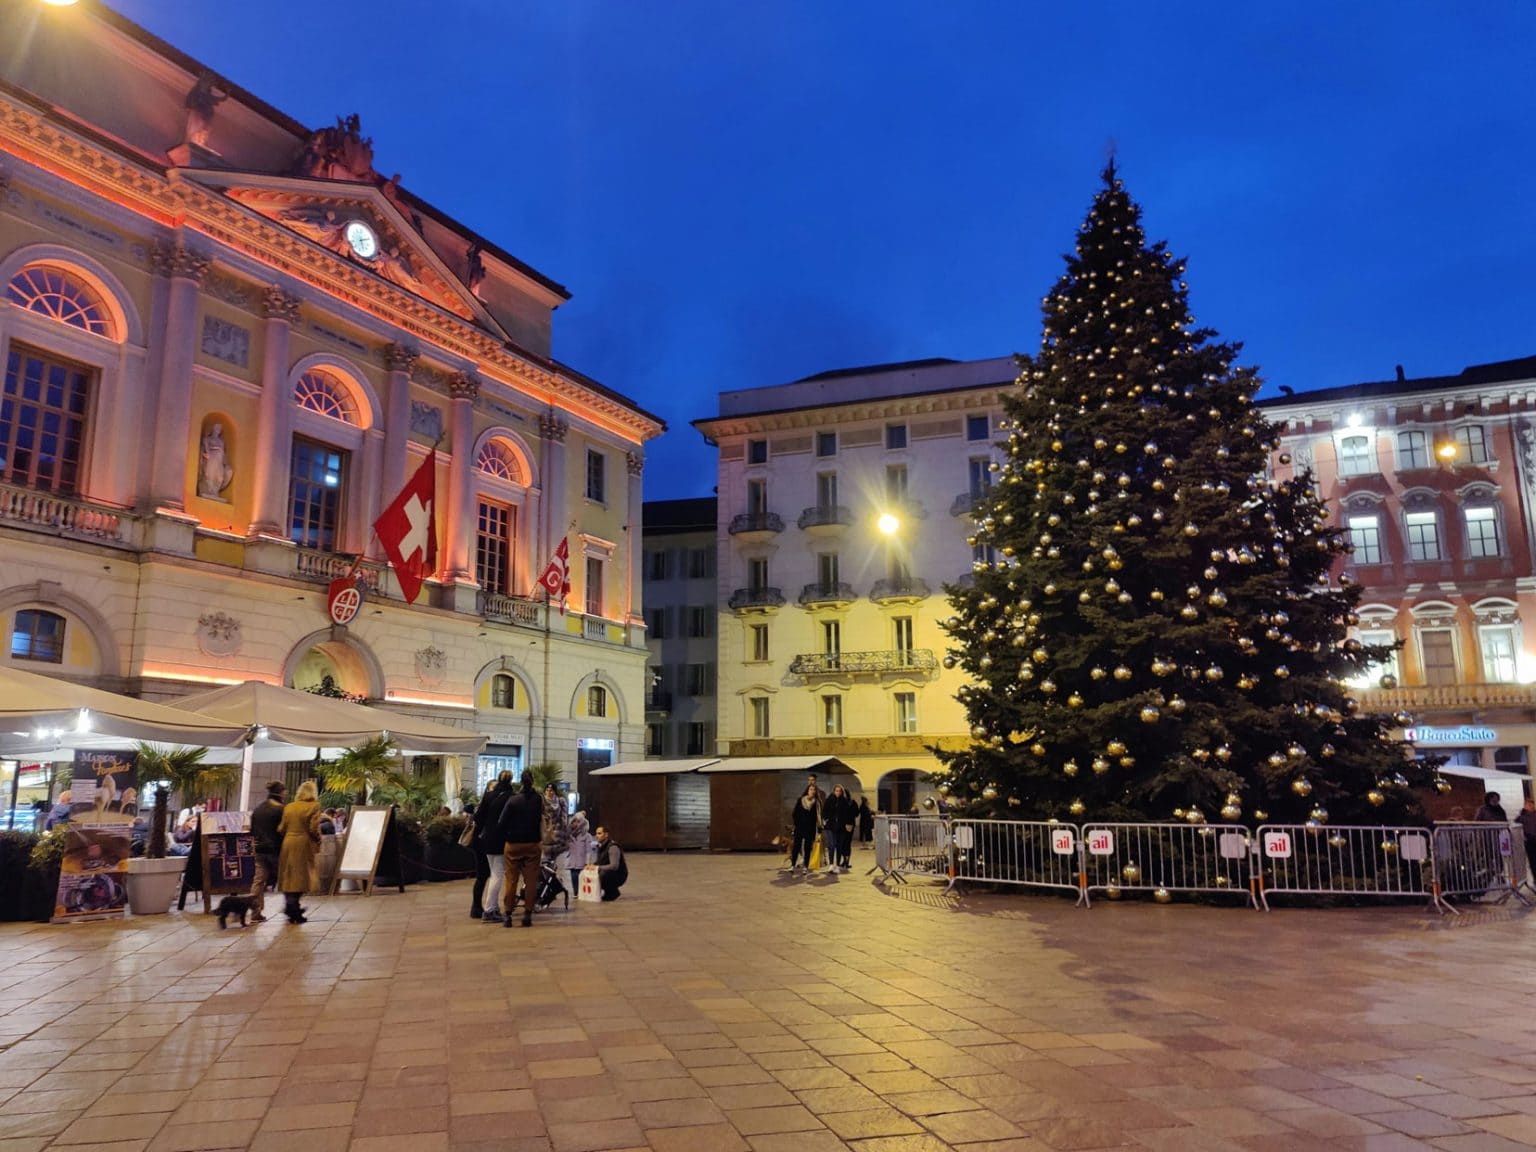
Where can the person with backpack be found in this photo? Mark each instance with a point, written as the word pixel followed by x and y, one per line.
pixel 612 869
pixel 521 827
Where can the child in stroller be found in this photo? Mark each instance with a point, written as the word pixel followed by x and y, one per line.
pixel 551 886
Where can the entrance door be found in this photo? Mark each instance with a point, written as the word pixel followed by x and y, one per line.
pixel 590 755
pixel 496 759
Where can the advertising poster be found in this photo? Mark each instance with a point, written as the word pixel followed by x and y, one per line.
pixel 103 788
pixel 93 878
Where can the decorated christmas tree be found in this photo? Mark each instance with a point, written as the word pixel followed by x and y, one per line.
pixel 1157 630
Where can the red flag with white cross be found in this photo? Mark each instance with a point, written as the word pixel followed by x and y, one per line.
pixel 408 529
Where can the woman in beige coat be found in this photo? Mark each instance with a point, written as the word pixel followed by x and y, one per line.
pixel 300 830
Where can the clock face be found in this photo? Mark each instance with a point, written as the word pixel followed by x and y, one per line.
pixel 362 241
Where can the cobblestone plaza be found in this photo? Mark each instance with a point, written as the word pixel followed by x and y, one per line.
pixel 722 1006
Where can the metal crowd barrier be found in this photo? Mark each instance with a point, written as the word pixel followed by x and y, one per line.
pixel 1445 863
pixel 914 846
pixel 1341 860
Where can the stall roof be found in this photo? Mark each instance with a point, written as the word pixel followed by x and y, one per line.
pixel 653 767
pixel 778 764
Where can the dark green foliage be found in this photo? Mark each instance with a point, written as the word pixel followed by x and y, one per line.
pixel 1157 635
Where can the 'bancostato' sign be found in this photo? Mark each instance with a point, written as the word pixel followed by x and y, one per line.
pixel 1466 734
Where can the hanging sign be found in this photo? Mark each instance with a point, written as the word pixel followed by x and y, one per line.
pixel 343 600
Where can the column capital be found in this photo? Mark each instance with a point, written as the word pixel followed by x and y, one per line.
pixel 634 462
pixel 400 358
pixel 553 428
pixel 173 258
pixel 463 386
pixel 280 305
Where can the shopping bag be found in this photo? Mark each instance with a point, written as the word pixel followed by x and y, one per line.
pixel 816 854
pixel 589 888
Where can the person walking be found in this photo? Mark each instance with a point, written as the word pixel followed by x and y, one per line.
pixel 612 868
pixel 866 821
pixel 300 830
pixel 267 844
pixel 1491 809
pixel 839 814
pixel 521 826
pixel 581 849
pixel 488 848
pixel 1527 821
pixel 805 817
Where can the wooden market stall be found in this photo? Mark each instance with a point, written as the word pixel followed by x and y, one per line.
pixel 648 805
pixel 750 796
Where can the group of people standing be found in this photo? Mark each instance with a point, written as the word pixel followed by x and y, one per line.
pixel 830 820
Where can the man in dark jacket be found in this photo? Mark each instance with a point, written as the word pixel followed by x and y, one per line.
pixel 1526 818
pixel 488 847
pixel 521 826
pixel 1491 809
pixel 264 822
pixel 612 868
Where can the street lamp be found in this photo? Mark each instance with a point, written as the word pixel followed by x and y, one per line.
pixel 1446 451
pixel 60 3
pixel 888 524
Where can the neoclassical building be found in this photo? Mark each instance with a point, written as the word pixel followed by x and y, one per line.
pixel 228 341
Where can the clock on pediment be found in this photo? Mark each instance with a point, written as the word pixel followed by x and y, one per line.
pixel 361 239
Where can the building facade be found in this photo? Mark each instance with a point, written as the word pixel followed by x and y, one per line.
pixel 679 581
pixel 228 342
pixel 1433 480
pixel 844 509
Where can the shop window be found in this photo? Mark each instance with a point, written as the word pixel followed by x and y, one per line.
pixel 38 635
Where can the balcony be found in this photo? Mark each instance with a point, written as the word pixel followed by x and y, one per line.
pixel 898 589
pixel 1448 696
pixel 966 503
pixel 756 599
pixel 820 595
pixel 594 628
pixel 755 526
pixel 825 520
pixel 501 609
pixel 64 516
pixel 323 567
pixel 891 661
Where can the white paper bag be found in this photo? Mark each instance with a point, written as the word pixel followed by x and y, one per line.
pixel 589 888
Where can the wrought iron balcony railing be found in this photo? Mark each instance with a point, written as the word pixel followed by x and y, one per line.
pixel 827 593
pixel 855 663
pixel 756 598
pixel 899 588
pixel 825 516
pixel 966 502
pixel 756 522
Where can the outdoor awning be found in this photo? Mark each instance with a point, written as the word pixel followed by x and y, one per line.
pixel 653 767
pixel 44 710
pixel 828 764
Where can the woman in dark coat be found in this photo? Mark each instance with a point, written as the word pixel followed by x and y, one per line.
pixel 840 814
pixel 805 816
pixel 489 843
pixel 866 821
pixel 300 830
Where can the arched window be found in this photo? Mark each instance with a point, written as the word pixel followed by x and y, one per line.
pixel 597 700
pixel 503 691
pixel 55 293
pixel 323 393
pixel 498 460
pixel 38 635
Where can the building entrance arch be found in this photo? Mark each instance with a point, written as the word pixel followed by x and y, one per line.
pixel 333 654
pixel 903 792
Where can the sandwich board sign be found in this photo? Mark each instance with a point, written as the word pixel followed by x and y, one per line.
pixel 371 841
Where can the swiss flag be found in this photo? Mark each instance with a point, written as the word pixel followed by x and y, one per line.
pixel 408 529
pixel 557 577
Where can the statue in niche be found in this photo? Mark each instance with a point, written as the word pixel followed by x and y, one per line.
pixel 200 104
pixel 214 469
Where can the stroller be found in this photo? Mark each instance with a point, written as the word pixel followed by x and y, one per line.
pixel 550 886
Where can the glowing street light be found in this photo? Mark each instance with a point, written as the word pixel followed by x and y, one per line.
pixel 1446 452
pixel 60 3
pixel 888 524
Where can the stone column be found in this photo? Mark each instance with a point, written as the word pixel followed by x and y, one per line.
pixel 401 361
pixel 457 565
pixel 173 406
pixel 274 429
pixel 557 517
pixel 635 464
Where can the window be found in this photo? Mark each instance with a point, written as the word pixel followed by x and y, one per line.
pixel 1355 456
pixel 597 476
pixel 597 700
pixel 698 680
pixel 896 481
pixel 983 554
pixel 316 478
pixel 1365 538
pixel 697 739
pixel 831 637
pixel 498 460
pixel 906 712
pixel 826 489
pixel 493 547
pixel 1498 645
pixel 759 707
pixel 826 444
pixel 503 691
pixel 1412 451
pixel 1472 443
pixel 655 740
pixel 832 715
pixel 757 497
pixel 759 647
pixel 58 295
pixel 701 622
pixel 38 635
pixel 1423 535
pixel 656 565
pixel 979 471
pixel 42 421
pixel 701 563
pixel 656 624
pixel 594 586
pixel 1438 647
pixel 1482 532
pixel 757 573
pixel 826 569
pixel 895 436
pixel 978 428
pixel 323 393
pixel 901 636
pixel 757 451
pixel 1382 638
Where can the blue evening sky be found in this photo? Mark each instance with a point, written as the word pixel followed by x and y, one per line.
pixel 742 193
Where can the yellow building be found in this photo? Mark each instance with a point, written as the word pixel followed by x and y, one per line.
pixel 228 341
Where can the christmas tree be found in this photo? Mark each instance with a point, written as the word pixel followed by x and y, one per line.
pixel 1156 631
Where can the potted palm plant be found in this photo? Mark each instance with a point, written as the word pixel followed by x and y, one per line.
pixel 155 878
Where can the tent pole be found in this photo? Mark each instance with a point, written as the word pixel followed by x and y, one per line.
pixel 247 753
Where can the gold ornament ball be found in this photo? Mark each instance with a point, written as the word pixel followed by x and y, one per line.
pixel 1327 751
pixel 1122 672
pixel 928 802
pixel 1231 812
pixel 1376 797
pixel 1112 891
pixel 943 789
pixel 1189 612
pixel 1443 786
pixel 1319 813
pixel 1150 715
pixel 1260 814
pixel 1070 767
pixel 1131 873
pixel 1389 681
pixel 1223 753
pixel 1074 701
pixel 1194 816
pixel 1077 807
pixel 1214 673
pixel 1097 673
pixel 1222 881
pixel 1281 672
pixel 1276 760
pixel 1115 748
pixel 1163 896
pixel 1100 765
pixel 1336 840
pixel 1301 786
pixel 1037 749
pixel 989 793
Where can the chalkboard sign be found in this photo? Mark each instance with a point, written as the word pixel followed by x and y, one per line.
pixel 229 865
pixel 370 837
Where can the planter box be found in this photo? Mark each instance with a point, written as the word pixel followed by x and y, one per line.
pixel 153 884
pixel 448 862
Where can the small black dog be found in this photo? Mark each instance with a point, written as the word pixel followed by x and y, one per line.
pixel 233 906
